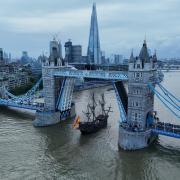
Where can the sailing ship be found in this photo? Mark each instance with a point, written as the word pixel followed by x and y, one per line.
pixel 94 122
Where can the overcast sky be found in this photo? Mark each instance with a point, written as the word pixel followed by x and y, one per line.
pixel 31 24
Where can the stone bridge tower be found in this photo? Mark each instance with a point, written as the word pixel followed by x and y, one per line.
pixel 57 90
pixel 135 133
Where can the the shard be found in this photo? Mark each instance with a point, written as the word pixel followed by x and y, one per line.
pixel 94 52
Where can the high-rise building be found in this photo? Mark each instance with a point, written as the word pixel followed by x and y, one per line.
pixel 118 59
pixel 55 58
pixel 73 53
pixel 103 58
pixel 1 56
pixel 25 58
pixel 76 53
pixel 68 51
pixel 94 52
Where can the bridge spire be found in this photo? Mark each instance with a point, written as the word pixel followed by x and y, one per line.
pixel 94 52
pixel 131 59
pixel 155 56
pixel 144 54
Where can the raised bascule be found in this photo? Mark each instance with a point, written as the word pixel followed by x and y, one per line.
pixel 138 124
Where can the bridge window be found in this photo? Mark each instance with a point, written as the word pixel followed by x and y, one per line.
pixel 135 115
pixel 137 104
pixel 137 75
pixel 132 103
pixel 143 64
pixel 138 66
pixel 138 91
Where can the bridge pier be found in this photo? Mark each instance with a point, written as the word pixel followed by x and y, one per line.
pixel 48 118
pixel 129 140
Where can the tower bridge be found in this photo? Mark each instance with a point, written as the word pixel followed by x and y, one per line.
pixel 138 124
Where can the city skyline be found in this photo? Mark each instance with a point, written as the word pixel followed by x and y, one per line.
pixel 30 26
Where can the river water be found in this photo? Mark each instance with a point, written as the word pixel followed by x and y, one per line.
pixel 59 152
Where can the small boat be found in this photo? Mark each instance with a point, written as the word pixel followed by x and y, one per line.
pixel 93 122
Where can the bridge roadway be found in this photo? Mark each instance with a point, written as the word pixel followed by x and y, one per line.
pixel 97 74
pixel 11 103
pixel 167 129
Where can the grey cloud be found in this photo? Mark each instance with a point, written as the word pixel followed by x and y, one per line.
pixel 122 24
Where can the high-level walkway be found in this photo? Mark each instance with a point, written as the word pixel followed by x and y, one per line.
pixel 96 74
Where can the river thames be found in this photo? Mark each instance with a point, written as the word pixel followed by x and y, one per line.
pixel 60 152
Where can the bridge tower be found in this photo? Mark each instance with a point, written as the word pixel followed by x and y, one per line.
pixel 136 133
pixel 57 90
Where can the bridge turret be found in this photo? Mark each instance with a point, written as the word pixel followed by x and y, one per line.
pixel 54 88
pixel 142 70
pixel 154 60
pixel 131 59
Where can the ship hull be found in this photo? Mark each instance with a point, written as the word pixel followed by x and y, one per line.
pixel 94 126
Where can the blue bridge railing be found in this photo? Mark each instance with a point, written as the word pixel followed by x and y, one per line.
pixel 10 103
pixel 167 129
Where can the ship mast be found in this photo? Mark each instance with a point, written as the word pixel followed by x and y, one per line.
pixel 102 103
pixel 107 111
pixel 87 113
pixel 93 107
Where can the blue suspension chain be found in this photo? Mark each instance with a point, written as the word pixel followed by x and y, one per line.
pixel 160 98
pixel 167 92
pixel 176 107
